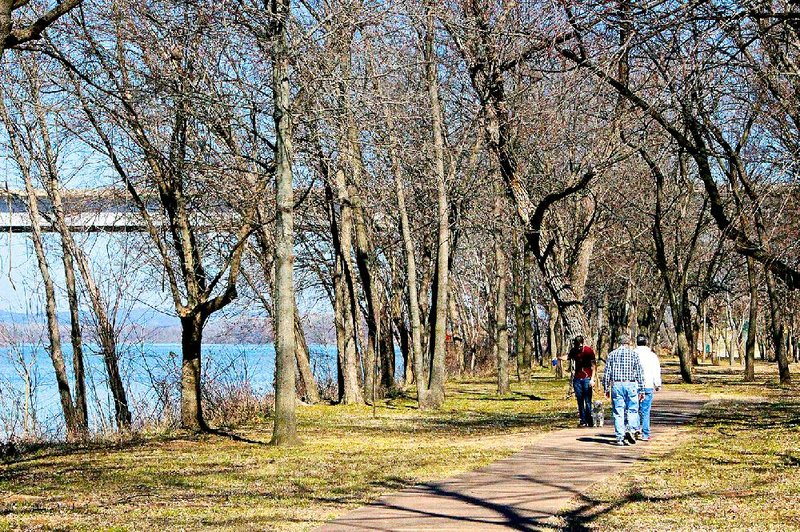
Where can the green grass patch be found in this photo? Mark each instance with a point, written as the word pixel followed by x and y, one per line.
pixel 348 458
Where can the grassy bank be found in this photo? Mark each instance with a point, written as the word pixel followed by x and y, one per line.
pixel 737 467
pixel 347 459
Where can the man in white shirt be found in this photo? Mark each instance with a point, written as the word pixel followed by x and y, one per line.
pixel 651 370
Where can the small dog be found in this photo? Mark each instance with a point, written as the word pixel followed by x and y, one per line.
pixel 598 417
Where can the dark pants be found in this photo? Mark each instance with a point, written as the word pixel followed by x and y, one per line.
pixel 583 393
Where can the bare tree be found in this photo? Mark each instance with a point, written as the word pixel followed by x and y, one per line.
pixel 27 27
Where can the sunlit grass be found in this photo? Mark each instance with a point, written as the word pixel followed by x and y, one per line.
pixel 348 458
pixel 737 467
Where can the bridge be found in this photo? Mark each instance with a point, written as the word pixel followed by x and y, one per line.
pixel 106 209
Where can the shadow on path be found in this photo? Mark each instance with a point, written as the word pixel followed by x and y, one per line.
pixel 527 490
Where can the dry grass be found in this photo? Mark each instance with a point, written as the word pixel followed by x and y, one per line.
pixel 347 459
pixel 736 468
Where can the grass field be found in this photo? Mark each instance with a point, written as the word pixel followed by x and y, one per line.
pixel 736 468
pixel 347 459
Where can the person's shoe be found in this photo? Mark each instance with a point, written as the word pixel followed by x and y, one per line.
pixel 630 438
pixel 644 438
pixel 582 424
pixel 621 443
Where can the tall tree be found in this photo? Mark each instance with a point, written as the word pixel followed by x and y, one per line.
pixel 285 428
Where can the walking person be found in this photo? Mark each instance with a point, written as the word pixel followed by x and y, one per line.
pixel 584 366
pixel 651 370
pixel 623 382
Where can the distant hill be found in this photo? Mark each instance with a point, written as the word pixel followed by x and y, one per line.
pixel 152 326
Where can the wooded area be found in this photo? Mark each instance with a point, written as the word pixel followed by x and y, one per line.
pixel 470 183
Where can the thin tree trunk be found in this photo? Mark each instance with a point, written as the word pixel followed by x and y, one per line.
pixel 78 369
pixel 750 345
pixel 456 326
pixel 415 350
pixel 685 340
pixel 501 320
pixel 54 334
pixel 369 282
pixel 309 384
pixel 386 350
pixel 552 312
pixel 344 292
pixel 438 369
pixel 106 333
pixel 601 346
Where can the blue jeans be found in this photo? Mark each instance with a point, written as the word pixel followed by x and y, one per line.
pixel 644 411
pixel 583 393
pixel 625 402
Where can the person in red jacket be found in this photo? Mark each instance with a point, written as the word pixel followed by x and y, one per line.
pixel 584 366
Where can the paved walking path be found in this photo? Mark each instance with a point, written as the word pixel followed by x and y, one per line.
pixel 525 491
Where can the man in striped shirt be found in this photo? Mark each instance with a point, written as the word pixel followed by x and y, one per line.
pixel 623 382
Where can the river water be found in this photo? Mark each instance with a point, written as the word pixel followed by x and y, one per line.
pixel 151 374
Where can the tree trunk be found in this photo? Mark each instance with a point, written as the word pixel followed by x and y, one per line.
pixel 750 346
pixel 309 384
pixel 370 283
pixel 191 368
pixel 399 325
pixel 284 430
pixel 579 270
pixel 501 339
pixel 415 348
pixel 529 316
pixel 54 334
pixel 456 327
pixel 438 369
pixel 685 339
pixel 345 304
pixel 501 320
pixel 106 333
pixel 777 330
pixel 552 313
pixel 522 312
pixel 108 343
pixel 78 369
pixel 601 346
pixel 386 350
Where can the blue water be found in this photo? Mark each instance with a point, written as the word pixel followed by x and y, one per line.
pixel 151 373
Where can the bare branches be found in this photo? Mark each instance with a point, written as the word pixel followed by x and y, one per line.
pixel 14 37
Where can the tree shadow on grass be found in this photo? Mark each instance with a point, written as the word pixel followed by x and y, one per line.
pixel 749 415
pixel 24 452
pixel 591 509
pixel 513 396
pixel 235 437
